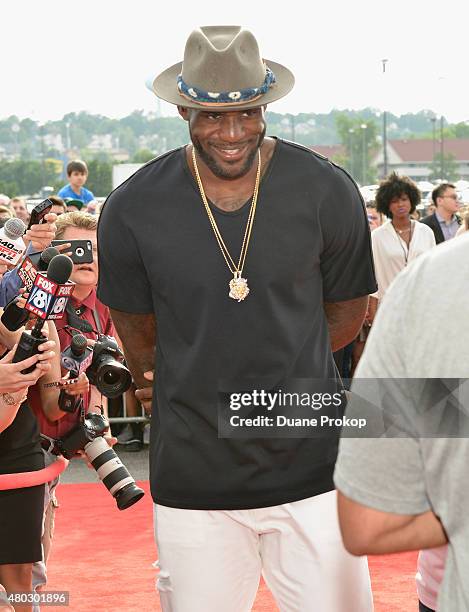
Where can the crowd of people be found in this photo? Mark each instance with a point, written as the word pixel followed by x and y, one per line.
pixel 31 414
pixel 240 262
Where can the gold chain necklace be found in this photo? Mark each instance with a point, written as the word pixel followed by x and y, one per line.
pixel 239 289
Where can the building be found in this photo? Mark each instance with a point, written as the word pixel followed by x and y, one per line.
pixel 334 152
pixel 414 157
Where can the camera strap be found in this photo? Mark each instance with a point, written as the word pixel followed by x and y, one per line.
pixel 97 321
pixel 75 321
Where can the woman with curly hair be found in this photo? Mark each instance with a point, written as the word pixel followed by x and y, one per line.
pixel 400 239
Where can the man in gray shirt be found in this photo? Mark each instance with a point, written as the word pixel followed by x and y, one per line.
pixel 412 492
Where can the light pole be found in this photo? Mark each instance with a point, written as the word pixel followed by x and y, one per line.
pixel 43 170
pixel 433 120
pixel 363 127
pixel 385 132
pixel 69 143
pixel 442 147
pixel 350 147
pixel 15 128
pixel 292 123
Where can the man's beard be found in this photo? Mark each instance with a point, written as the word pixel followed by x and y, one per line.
pixel 221 172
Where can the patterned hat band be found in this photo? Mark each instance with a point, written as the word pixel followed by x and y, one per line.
pixel 225 98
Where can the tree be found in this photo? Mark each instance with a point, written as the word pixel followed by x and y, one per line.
pixel 28 177
pixel 446 171
pixel 99 177
pixel 142 156
pixel 360 140
pixel 461 130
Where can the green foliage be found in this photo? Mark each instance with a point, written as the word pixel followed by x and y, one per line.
pixel 99 177
pixel 142 156
pixel 444 167
pixel 360 139
pixel 143 136
pixel 26 177
pixel 461 130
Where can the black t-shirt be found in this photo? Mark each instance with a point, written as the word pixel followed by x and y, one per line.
pixel 157 253
pixel 20 449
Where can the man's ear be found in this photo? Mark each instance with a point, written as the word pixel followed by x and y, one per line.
pixel 184 112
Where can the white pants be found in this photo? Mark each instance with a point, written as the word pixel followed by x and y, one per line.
pixel 211 561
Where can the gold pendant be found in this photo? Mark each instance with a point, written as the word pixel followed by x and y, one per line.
pixel 239 289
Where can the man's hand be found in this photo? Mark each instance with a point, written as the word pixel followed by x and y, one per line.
pixel 145 395
pixel 3 269
pixel 82 455
pixel 42 234
pixel 63 248
pixel 4 605
pixel 79 387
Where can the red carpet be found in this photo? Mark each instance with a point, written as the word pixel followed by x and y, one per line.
pixel 104 557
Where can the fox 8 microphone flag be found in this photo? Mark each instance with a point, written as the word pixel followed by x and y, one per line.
pixel 48 299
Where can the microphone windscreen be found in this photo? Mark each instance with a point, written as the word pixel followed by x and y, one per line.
pixel 48 254
pixel 14 228
pixel 59 269
pixel 78 344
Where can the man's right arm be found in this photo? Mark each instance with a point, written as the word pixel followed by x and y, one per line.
pixel 138 335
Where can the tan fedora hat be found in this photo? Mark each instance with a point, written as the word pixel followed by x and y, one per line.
pixel 223 70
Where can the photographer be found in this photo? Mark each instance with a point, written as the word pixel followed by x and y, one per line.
pixel 20 451
pixel 87 315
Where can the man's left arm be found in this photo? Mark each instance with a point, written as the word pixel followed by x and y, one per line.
pixel 386 532
pixel 344 320
pixel 346 259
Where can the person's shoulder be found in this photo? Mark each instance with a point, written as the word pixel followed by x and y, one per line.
pixel 423 228
pixel 309 155
pixel 130 191
pixel 428 220
pixel 334 179
pixel 382 229
pixel 63 191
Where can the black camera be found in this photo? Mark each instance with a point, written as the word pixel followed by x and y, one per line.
pixel 88 437
pixel 107 371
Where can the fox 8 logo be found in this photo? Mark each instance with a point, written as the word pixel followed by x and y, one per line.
pixel 45 305
pixel 40 301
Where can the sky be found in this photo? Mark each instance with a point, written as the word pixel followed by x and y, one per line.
pixel 96 55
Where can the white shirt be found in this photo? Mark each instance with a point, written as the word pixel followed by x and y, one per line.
pixel 390 252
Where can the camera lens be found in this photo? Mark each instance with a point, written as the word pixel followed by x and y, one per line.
pixel 79 252
pixel 111 377
pixel 113 473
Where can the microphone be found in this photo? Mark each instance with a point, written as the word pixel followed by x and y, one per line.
pixel 47 300
pixel 76 359
pixel 12 246
pixel 34 263
pixel 14 317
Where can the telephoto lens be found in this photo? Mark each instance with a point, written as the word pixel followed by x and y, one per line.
pixel 113 473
